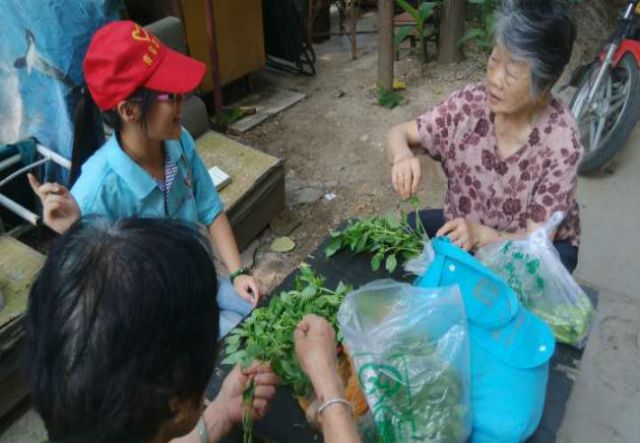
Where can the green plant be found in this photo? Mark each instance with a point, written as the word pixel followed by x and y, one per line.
pixel 483 24
pixel 267 335
pixel 419 15
pixel 388 238
pixel 389 98
pixel 247 412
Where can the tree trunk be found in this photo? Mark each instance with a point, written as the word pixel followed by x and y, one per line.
pixel 385 44
pixel 451 31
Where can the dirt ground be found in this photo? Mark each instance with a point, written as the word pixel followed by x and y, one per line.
pixel 334 139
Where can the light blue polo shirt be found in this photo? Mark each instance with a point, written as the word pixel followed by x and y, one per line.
pixel 111 184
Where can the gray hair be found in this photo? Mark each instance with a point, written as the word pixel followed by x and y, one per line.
pixel 538 32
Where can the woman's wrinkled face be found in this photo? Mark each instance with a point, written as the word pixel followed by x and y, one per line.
pixel 508 82
pixel 164 121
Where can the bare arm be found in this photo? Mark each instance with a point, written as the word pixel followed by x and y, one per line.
pixel 402 140
pixel 225 243
pixel 316 350
pixel 216 423
pixel 406 171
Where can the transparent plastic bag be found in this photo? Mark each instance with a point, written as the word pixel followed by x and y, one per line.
pixel 419 265
pixel 533 269
pixel 410 347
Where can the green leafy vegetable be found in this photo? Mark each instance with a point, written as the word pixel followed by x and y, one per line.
pixel 390 239
pixel 247 412
pixel 267 335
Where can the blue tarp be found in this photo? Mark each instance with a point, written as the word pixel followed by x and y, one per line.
pixel 42 45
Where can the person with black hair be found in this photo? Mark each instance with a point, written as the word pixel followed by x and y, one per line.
pixel 509 148
pixel 121 339
pixel 149 167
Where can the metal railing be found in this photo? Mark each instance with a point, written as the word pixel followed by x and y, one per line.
pixel 47 156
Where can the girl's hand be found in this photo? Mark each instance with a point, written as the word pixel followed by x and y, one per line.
pixel 59 208
pixel 247 288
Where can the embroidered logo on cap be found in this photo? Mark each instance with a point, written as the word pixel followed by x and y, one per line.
pixel 141 35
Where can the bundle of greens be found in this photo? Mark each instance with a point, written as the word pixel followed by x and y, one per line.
pixel 389 238
pixel 267 335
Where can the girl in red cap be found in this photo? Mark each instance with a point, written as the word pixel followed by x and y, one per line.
pixel 149 167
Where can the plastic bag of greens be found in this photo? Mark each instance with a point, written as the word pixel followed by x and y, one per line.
pixel 410 347
pixel 533 269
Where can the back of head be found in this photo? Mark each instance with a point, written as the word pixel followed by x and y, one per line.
pixel 121 319
pixel 540 32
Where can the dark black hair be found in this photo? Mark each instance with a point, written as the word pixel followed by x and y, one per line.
pixel 122 318
pixel 88 133
pixel 541 32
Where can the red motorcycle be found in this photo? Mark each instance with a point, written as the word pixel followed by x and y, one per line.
pixel 606 104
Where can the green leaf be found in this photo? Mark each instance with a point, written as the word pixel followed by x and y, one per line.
pixel 234 359
pixel 414 201
pixel 490 23
pixel 376 262
pixel 391 263
pixel 409 9
pixel 283 244
pixel 472 34
pixel 309 292
pixel 389 99
pixel 402 34
pixel 426 9
pixel 333 247
pixel 362 243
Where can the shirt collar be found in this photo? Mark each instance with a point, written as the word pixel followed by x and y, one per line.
pixel 173 148
pixel 137 179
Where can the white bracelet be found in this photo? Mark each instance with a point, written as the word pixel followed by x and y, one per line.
pixel 334 401
pixel 203 434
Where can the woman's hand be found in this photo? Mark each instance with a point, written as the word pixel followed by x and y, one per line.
pixel 461 232
pixel 247 288
pixel 406 174
pixel 315 343
pixel 230 395
pixel 59 208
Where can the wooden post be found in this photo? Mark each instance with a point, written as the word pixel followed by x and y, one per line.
pixel 451 31
pixel 353 12
pixel 385 44
pixel 215 65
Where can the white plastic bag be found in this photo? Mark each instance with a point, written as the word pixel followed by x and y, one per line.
pixel 410 347
pixel 533 269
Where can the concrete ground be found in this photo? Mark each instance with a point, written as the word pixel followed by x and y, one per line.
pixel 605 402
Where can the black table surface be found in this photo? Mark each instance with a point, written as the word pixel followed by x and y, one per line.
pixel 286 423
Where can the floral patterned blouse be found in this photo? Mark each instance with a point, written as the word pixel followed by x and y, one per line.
pixel 537 180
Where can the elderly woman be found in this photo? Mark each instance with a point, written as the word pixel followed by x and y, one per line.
pixel 509 148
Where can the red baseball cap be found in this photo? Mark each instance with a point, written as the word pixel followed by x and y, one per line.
pixel 123 57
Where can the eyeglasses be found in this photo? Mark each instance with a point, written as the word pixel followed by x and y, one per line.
pixel 166 97
pixel 171 97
